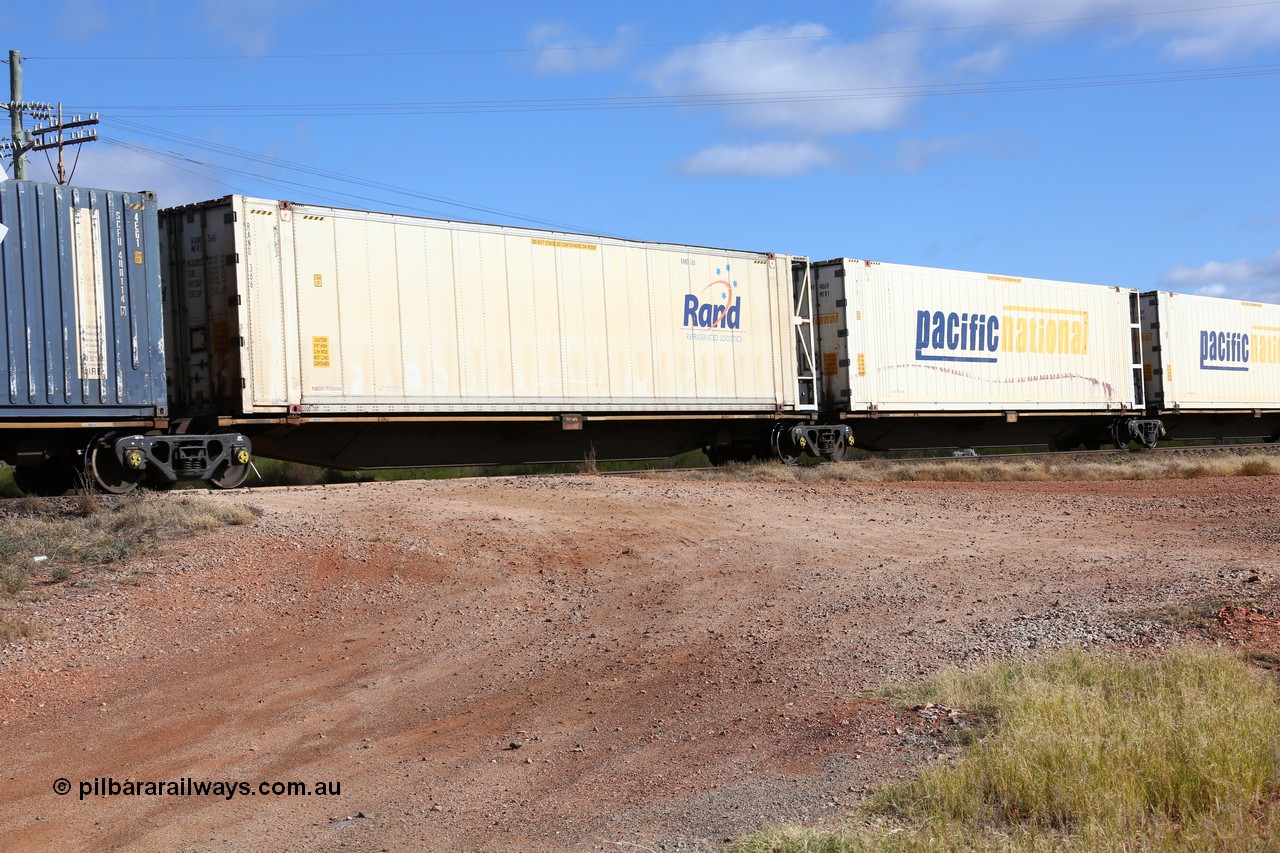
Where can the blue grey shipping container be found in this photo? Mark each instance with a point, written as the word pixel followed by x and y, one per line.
pixel 83 334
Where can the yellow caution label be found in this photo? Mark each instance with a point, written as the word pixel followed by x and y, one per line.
pixel 137 256
pixel 1004 278
pixel 320 351
pixel 862 364
pixel 317 280
pixel 564 244
pixel 830 363
pixel 1168 373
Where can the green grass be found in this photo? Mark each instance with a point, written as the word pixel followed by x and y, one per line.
pixel 1179 752
pixel 8 488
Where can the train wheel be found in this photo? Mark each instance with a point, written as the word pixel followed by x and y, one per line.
pixel 232 473
pixel 1120 435
pixel 784 449
pixel 108 473
pixel 53 477
pixel 229 476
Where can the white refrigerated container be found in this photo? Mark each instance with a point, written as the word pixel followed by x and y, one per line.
pixel 301 309
pixel 902 339
pixel 1210 354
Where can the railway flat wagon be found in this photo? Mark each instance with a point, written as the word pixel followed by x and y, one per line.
pixel 353 339
pixel 915 357
pixel 1213 365
pixel 84 367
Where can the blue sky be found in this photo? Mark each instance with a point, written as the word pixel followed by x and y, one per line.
pixel 1125 142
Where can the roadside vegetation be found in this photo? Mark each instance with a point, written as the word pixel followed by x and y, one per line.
pixel 272 472
pixel 1135 467
pixel 46 543
pixel 862 467
pixel 1083 752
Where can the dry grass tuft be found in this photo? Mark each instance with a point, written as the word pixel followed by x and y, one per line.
pixel 1258 467
pixel 589 466
pixel 42 539
pixel 13 630
pixel 954 471
pixel 1088 752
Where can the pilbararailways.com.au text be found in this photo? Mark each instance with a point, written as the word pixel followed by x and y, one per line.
pixel 227 789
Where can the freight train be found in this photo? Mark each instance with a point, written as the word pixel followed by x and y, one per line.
pixel 147 346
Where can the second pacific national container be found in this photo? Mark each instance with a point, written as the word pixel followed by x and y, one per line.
pixel 328 316
pixel 1213 365
pixel 921 357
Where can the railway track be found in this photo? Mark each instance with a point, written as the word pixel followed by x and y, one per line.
pixel 1054 456
pixel 1082 455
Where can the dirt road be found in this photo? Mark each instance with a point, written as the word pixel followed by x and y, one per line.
pixel 572 663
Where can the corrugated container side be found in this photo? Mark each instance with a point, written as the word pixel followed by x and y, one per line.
pixel 1207 353
pixel 82 334
pixel 897 338
pixel 349 312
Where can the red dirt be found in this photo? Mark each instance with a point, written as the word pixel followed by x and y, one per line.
pixel 574 663
pixel 1253 629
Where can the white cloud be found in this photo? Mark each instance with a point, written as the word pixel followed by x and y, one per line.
pixel 1211 290
pixel 768 159
pixel 560 51
pixel 983 61
pixel 793 77
pixel 81 20
pixel 1244 278
pixel 249 25
pixel 1187 30
pixel 915 154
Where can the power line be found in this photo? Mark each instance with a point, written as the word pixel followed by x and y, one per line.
pixel 724 99
pixel 632 46
pixel 341 177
